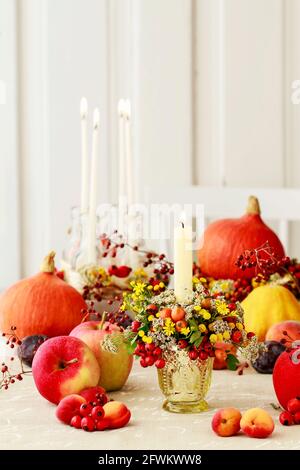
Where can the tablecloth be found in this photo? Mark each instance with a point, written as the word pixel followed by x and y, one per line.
pixel 28 421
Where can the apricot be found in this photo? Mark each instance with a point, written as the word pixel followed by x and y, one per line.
pixel 177 314
pixel 165 313
pixel 117 414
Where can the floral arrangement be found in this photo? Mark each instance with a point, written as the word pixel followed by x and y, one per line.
pixel 198 325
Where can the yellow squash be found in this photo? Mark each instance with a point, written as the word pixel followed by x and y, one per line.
pixel 267 305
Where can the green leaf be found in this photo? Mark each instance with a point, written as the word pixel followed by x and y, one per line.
pixel 195 336
pixel 198 342
pixel 193 325
pixel 232 362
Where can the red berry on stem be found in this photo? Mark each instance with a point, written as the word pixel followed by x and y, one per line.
pixel 97 412
pixel 193 355
pixel 286 418
pixel 76 422
pixel 297 417
pixel 143 362
pixel 149 360
pixel 160 363
pixel 85 409
pixel 182 343
pixel 157 351
pixel 135 326
pixel 87 424
pixel 150 347
pixel 203 355
pixel 293 405
pixel 236 336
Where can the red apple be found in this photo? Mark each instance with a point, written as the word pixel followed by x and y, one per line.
pixel 117 414
pixel 69 407
pixel 62 366
pixel 291 327
pixel 256 422
pixel 286 376
pixel 115 366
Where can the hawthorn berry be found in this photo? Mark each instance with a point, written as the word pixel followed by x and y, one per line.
pixel 286 418
pixel 88 424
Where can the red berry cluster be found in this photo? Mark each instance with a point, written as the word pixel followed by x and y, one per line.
pixel 263 259
pixel 292 414
pixel 119 318
pixel 8 377
pixel 91 416
pixel 150 355
pixel 204 351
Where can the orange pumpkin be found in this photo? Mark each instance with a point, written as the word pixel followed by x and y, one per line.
pixel 224 240
pixel 41 304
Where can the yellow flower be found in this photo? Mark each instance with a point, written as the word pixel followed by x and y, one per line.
pixel 231 325
pixel 211 327
pixel 203 280
pixel 224 286
pixel 144 338
pixel 205 314
pixel 140 272
pixel 239 326
pixel 138 288
pixel 157 315
pixel 197 308
pixel 226 335
pixel 202 328
pixel 169 327
pixel 195 280
pixel 221 307
pixel 185 331
pixel 147 339
pixel 141 333
pixel 219 337
pixel 213 338
pixel 123 307
pixel 150 287
pixel 161 285
pixel 151 317
pixel 156 288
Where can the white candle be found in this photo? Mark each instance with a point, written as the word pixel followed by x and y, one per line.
pixel 128 153
pixel 93 189
pixel 183 261
pixel 84 155
pixel 122 176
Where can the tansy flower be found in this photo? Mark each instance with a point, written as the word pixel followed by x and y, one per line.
pixel 231 325
pixel 221 307
pixel 224 285
pixel 197 308
pixel 157 315
pixel 185 331
pixel 203 280
pixel 161 285
pixel 219 337
pixel 169 327
pixel 147 339
pixel 140 273
pixel 213 338
pixel 226 335
pixel 150 318
pixel 150 287
pixel 195 280
pixel 141 333
pixel 202 328
pixel 156 288
pixel 205 314
pixel 239 326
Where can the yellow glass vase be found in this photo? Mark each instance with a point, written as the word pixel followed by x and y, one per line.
pixel 185 382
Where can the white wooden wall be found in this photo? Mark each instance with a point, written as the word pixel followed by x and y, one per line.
pixel 210 84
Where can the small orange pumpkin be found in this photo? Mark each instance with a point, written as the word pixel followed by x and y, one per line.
pixel 41 304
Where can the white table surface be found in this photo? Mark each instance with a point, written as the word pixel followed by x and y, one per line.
pixel 28 421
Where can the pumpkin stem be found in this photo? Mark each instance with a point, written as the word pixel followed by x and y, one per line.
pixel 48 265
pixel 253 207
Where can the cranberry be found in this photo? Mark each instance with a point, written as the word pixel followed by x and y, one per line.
pixel 293 405
pixel 85 409
pixel 157 351
pixel 203 355
pixel 286 418
pixel 87 424
pixel 76 422
pixel 97 412
pixel 193 355
pixel 182 343
pixel 160 363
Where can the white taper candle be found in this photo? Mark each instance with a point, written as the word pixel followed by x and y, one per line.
pixel 93 189
pixel 84 155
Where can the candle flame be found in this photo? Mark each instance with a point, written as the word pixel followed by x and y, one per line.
pixel 96 118
pixel 121 108
pixel 83 107
pixel 127 109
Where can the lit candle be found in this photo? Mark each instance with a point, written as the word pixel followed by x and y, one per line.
pixel 122 177
pixel 128 153
pixel 84 155
pixel 183 261
pixel 93 190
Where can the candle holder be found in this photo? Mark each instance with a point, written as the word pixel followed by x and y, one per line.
pixel 185 382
